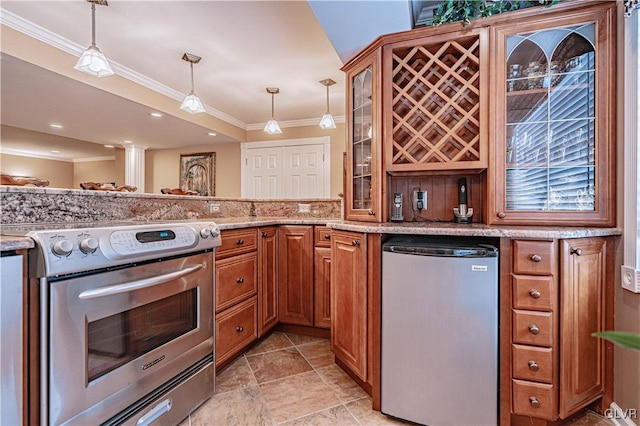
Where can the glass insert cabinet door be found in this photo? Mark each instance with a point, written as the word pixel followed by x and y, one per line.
pixel 550 126
pixel 362 136
pixel 552 136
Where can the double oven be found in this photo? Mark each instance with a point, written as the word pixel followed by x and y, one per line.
pixel 125 322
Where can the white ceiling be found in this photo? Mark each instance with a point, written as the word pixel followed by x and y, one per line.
pixel 245 47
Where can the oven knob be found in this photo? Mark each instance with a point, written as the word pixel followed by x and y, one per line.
pixel 62 248
pixel 205 232
pixel 214 232
pixel 88 245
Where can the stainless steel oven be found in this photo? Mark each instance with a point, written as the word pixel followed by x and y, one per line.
pixel 126 322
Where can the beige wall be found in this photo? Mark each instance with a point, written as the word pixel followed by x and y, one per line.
pixel 58 173
pixel 337 136
pixel 95 171
pixel 162 168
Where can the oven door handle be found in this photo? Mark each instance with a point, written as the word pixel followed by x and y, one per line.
pixel 137 285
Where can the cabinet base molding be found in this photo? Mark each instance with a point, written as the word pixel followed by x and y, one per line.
pixel 304 330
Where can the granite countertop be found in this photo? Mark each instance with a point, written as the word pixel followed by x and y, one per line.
pixel 9 243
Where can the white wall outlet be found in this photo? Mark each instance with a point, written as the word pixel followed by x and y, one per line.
pixel 214 208
pixel 304 208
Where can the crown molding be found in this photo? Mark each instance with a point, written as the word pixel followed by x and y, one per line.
pixel 32 30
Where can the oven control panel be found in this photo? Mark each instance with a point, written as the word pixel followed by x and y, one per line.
pixel 76 250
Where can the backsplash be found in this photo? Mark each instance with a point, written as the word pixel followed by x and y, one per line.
pixel 49 205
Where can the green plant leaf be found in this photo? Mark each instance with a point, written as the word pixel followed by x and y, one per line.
pixel 621 338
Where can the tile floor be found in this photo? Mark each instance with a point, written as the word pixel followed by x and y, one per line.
pixel 289 379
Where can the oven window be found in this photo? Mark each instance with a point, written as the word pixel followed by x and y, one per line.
pixel 119 338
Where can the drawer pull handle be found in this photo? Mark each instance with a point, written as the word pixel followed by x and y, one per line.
pixel 240 280
pixel 533 329
pixel 534 402
pixel 239 329
pixel 536 258
pixel 502 215
pixel 533 366
pixel 577 252
pixel 535 294
pixel 239 242
pixel 372 213
pixel 355 243
pixel 327 236
pixel 264 235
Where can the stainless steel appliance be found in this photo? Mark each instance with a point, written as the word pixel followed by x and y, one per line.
pixel 439 332
pixel 126 321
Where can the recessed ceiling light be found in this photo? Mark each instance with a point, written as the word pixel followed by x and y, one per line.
pixel 155 114
pixel 212 134
pixel 128 142
pixel 55 151
pixel 55 126
pixel 109 146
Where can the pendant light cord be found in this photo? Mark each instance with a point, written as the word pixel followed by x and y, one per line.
pixel 93 24
pixel 273 117
pixel 192 84
pixel 327 99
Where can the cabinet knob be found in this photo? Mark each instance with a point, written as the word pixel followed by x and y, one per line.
pixel 577 252
pixel 535 294
pixel 533 366
pixel 534 402
pixel 355 243
pixel 372 213
pixel 502 215
pixel 239 329
pixel 264 235
pixel 533 329
pixel 535 258
pixel 327 236
pixel 239 242
pixel 240 280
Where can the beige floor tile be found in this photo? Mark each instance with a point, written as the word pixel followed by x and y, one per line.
pixel 277 364
pixel 297 396
pixel 361 410
pixel 334 416
pixel 590 419
pixel 341 384
pixel 244 406
pixel 298 339
pixel 317 353
pixel 276 340
pixel 237 375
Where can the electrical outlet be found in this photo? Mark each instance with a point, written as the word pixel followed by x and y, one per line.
pixel 214 208
pixel 304 208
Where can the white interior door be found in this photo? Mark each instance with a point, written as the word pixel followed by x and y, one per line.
pixel 294 168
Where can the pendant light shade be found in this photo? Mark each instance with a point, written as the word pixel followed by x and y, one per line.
pixel 272 127
pixel 92 61
pixel 191 103
pixel 327 122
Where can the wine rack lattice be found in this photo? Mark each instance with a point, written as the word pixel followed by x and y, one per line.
pixel 436 104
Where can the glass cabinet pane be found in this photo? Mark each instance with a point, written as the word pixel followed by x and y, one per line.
pixel 362 119
pixel 550 126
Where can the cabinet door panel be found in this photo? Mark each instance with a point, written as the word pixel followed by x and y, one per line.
pixel 295 298
pixel 322 287
pixel 349 301
pixel 582 296
pixel 267 279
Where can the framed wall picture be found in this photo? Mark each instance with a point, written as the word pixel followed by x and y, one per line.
pixel 198 173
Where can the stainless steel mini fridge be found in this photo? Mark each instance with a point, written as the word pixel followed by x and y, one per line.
pixel 440 332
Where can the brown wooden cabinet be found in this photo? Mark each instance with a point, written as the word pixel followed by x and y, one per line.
pixel 267 279
pixel 322 277
pixel 363 181
pixel 349 309
pixel 560 295
pixel 553 118
pixel 295 292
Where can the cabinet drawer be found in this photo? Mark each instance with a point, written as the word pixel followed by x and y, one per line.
pixel 237 241
pixel 236 328
pixel 534 292
pixel 322 236
pixel 236 279
pixel 534 257
pixel 533 328
pixel 533 363
pixel 534 399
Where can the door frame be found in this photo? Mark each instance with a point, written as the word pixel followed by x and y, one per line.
pixel 325 141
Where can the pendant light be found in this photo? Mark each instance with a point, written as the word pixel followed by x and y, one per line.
pixel 327 122
pixel 92 61
pixel 272 127
pixel 191 103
